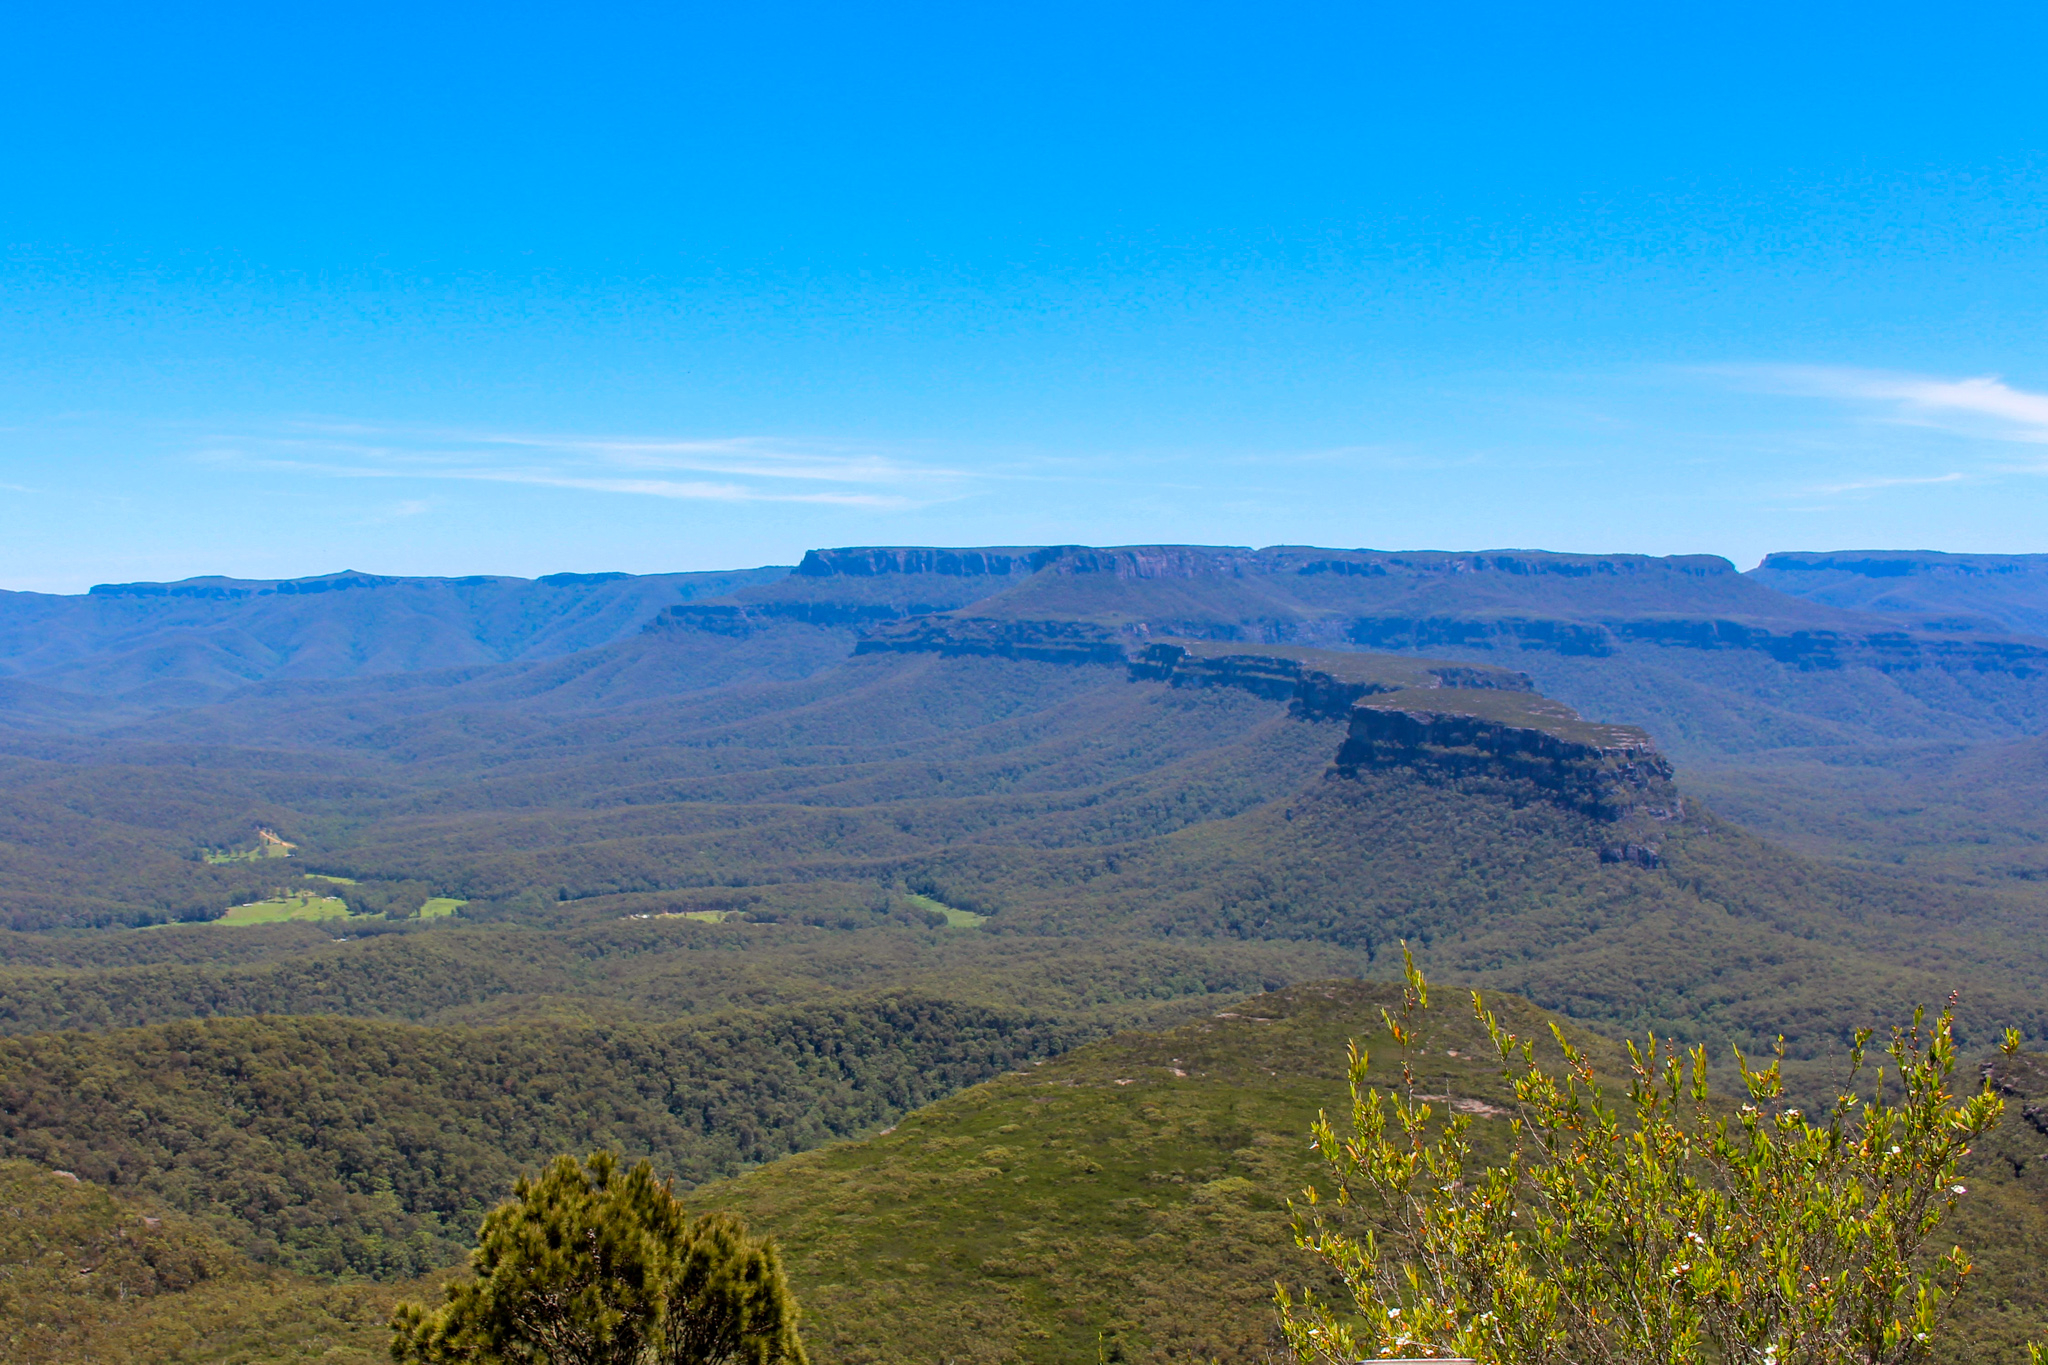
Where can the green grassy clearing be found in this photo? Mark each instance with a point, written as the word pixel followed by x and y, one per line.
pixel 303 906
pixel 332 881
pixel 247 855
pixel 955 918
pixel 440 907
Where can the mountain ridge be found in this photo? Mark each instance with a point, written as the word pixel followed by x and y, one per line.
pixel 204 638
pixel 910 817
pixel 1931 589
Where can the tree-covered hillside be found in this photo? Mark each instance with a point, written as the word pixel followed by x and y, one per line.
pixel 343 1146
pixel 181 644
pixel 1720 668
pixel 1067 803
pixel 769 869
pixel 1920 588
pixel 1126 1200
pixel 88 1275
pixel 1134 1193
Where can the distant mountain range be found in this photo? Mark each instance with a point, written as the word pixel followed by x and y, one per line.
pixel 1047 792
pixel 1916 644
pixel 1921 588
pixel 180 644
pixel 1799 697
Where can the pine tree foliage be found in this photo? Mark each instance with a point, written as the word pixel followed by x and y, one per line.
pixel 591 1265
pixel 1667 1230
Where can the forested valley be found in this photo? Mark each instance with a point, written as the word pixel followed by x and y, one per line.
pixel 960 917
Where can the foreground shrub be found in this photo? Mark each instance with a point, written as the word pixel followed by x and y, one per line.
pixel 1682 1233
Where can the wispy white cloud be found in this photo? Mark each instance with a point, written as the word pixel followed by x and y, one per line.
pixel 1984 406
pixel 734 470
pixel 1868 485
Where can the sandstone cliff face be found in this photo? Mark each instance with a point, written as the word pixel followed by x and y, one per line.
pixel 1316 684
pixel 1129 562
pixel 1450 722
pixel 875 561
pixel 1199 561
pixel 1609 771
pixel 1885 650
pixel 1155 561
pixel 1507 601
pixel 1440 720
pixel 1514 563
pixel 1276 678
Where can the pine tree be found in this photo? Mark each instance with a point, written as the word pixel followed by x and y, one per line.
pixel 590 1266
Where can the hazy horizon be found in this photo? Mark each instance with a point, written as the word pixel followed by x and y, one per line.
pixel 792 563
pixel 651 289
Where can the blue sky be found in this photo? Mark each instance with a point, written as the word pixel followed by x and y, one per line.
pixel 447 289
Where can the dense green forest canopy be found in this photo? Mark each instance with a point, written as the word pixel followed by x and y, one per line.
pixel 1128 1195
pixel 1060 801
pixel 754 862
pixel 351 1146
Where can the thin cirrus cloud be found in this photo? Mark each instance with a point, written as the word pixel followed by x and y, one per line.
pixel 1872 485
pixel 740 470
pixel 1984 406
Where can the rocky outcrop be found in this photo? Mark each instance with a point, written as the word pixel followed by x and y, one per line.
pixel 1344 568
pixel 1502 601
pixel 2023 1080
pixel 1609 771
pixel 1265 675
pixel 1316 684
pixel 1440 720
pixel 1142 562
pixel 1198 561
pixel 1886 651
pixel 1124 562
